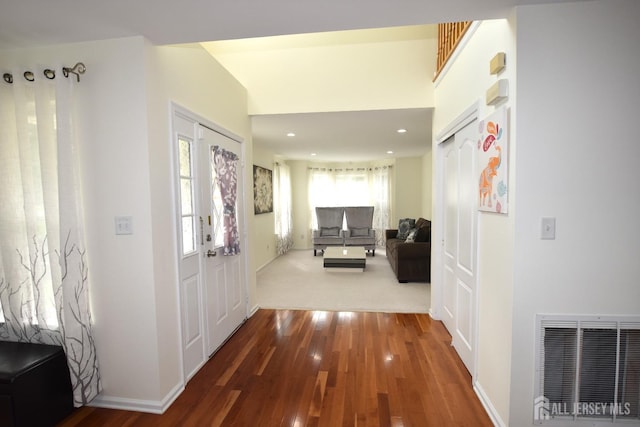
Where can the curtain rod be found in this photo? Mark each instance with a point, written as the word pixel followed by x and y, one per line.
pixel 50 74
pixel 349 169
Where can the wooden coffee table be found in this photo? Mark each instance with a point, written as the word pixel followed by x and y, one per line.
pixel 351 257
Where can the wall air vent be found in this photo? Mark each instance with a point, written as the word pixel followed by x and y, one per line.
pixel 587 370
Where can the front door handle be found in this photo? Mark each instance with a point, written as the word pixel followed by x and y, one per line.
pixel 211 253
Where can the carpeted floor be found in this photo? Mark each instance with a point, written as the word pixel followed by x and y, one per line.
pixel 297 280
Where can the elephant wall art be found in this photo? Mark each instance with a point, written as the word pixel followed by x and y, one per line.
pixel 493 163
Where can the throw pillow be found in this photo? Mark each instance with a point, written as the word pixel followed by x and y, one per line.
pixel 329 231
pixel 404 227
pixel 360 232
pixel 412 236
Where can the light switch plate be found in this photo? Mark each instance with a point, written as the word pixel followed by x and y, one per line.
pixel 548 228
pixel 124 225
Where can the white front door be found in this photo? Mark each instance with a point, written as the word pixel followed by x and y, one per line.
pixel 212 289
pixel 460 234
pixel 224 290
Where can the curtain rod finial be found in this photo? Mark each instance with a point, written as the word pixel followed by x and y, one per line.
pixel 77 69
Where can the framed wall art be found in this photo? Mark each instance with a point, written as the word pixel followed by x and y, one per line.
pixel 493 162
pixel 262 190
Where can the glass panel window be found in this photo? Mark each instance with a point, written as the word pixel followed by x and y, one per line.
pixel 188 243
pixel 185 196
pixel 185 158
pixel 187 208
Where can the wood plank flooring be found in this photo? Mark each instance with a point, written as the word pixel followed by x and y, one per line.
pixel 318 368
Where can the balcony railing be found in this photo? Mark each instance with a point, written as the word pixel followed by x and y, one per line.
pixel 449 35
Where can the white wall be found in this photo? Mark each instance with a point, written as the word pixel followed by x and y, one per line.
pixel 359 76
pixel 427 191
pixel 578 106
pixel 464 84
pixel 190 77
pixel 408 192
pixel 115 179
pixel 125 150
pixel 577 98
pixel 263 240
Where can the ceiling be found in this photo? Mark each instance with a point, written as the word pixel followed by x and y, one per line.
pixel 353 135
pixel 359 135
pixel 26 23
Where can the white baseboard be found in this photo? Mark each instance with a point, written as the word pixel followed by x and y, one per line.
pixel 267 263
pixel 488 406
pixel 253 310
pixel 150 406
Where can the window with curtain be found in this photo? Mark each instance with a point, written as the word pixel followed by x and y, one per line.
pixel 282 208
pixel 44 279
pixel 353 186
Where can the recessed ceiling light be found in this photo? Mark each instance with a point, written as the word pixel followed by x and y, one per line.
pixel 291 134
pixel 402 130
pixel 313 154
pixel 389 152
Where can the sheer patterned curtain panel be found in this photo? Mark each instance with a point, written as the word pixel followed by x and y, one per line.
pixel 380 185
pixel 282 208
pixel 44 280
pixel 226 164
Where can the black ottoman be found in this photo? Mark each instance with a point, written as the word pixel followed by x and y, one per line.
pixel 35 387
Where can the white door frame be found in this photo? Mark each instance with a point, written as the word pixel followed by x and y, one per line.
pixel 176 109
pixel 470 114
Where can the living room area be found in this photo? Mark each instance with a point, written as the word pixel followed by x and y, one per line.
pixel 297 278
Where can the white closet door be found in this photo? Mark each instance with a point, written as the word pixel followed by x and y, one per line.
pixel 460 241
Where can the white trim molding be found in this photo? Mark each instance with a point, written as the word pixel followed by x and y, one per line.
pixel 488 406
pixel 470 114
pixel 149 406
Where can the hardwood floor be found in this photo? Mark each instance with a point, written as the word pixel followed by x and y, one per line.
pixel 317 368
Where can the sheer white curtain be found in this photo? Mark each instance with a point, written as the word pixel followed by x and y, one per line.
pixel 380 187
pixel 353 186
pixel 43 270
pixel 282 207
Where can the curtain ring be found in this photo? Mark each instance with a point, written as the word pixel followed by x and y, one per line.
pixel 29 76
pixel 8 78
pixel 49 73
